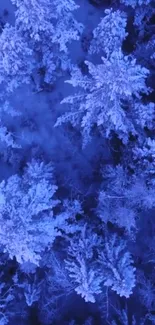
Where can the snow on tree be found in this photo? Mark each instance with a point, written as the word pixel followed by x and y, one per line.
pixel 66 28
pixel 55 288
pixel 115 199
pixel 116 266
pixel 142 18
pixel 44 17
pixel 100 102
pixel 6 137
pixel 6 294
pixel 122 196
pixel 144 156
pixel 110 33
pixel 144 115
pixel 26 206
pixel 38 171
pixel 81 267
pixel 33 17
pixel 145 53
pixel 124 77
pixel 88 283
pixel 134 3
pixel 32 291
pixel 111 267
pixel 55 53
pixel 51 27
pixel 146 291
pixel 123 317
pixel 66 219
pixel 16 60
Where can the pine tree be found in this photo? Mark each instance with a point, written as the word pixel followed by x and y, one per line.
pixel 134 3
pixel 26 206
pixel 16 60
pixel 100 102
pixel 49 27
pixel 116 265
pixel 110 33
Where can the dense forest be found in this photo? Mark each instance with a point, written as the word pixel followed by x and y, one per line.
pixel 77 162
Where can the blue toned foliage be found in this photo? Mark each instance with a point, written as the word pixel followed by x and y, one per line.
pixel 99 102
pixel 77 201
pixel 110 33
pixel 134 3
pixel 26 206
pixel 117 267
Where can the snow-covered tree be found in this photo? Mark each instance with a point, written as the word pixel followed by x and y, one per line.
pixel 110 33
pixel 66 28
pixel 33 17
pixel 16 60
pixel 123 316
pixel 144 115
pixel 32 291
pixel 145 53
pixel 103 91
pixel 122 197
pixel 81 267
pixel 116 265
pixel 51 26
pixel 6 137
pixel 66 219
pixel 88 283
pixel 144 156
pixel 26 207
pixel 56 289
pixel 55 52
pixel 43 17
pixel 146 291
pixel 91 271
pixel 134 3
pixel 7 294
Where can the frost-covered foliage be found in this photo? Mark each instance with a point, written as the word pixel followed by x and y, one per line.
pixel 6 297
pixel 6 137
pixel 146 292
pixel 55 289
pixel 66 219
pixel 113 267
pixel 51 27
pixel 144 114
pixel 81 267
pixel 144 155
pixel 33 17
pixel 122 197
pixel 100 102
pixel 110 33
pixel 31 290
pixel 142 17
pixel 38 19
pixel 26 205
pixel 74 253
pixel 55 53
pixel 134 3
pixel 116 265
pixel 123 316
pixel 145 52
pixel 66 28
pixel 16 60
